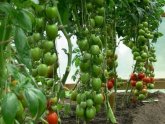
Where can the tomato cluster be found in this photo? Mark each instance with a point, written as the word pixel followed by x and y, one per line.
pixel 88 95
pixel 140 83
pixel 144 55
pixel 43 52
pixel 42 43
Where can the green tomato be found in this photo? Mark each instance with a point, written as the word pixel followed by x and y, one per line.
pixel 89 103
pixel 34 72
pixel 101 11
pixel 83 104
pixel 96 70
pixel 141 32
pixel 98 59
pixel 80 111
pixel 99 2
pixel 40 24
pixel 52 31
pixel 50 59
pixel 20 110
pixel 92 22
pixel 150 86
pixel 86 56
pixel 138 58
pixel 39 9
pixel 109 53
pixel 80 97
pixel 95 50
pixel 36 53
pixel 36 37
pixel 47 45
pixel 84 66
pixel 144 55
pixel 98 108
pixel 99 20
pixel 83 44
pixel 145 24
pixel 139 85
pixel 141 38
pixel 140 26
pixel 84 78
pixel 42 70
pixel 141 97
pixel 135 54
pixel 95 40
pixel 90 112
pixel 74 95
pixel 89 6
pixel 96 84
pixel 52 12
pixel 98 98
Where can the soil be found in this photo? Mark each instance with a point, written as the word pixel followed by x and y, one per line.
pixel 152 112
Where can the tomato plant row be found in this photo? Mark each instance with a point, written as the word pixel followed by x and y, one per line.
pixel 29 83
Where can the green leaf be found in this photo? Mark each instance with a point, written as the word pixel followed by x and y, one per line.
pixel 22 47
pixel 64 11
pixel 9 108
pixel 32 101
pixel 23 20
pixel 59 107
pixel 6 7
pixel 42 101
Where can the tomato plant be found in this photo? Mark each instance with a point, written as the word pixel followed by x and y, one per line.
pixel 30 85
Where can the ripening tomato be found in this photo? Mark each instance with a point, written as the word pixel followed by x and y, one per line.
pixel 52 118
pixel 133 83
pixel 152 80
pixel 144 91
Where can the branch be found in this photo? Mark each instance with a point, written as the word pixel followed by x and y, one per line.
pixel 67 36
pixel 6 41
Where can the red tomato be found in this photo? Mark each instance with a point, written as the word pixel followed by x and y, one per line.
pixel 110 85
pixel 152 80
pixel 146 80
pixel 141 76
pixel 112 80
pixel 133 76
pixel 133 83
pixel 52 118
